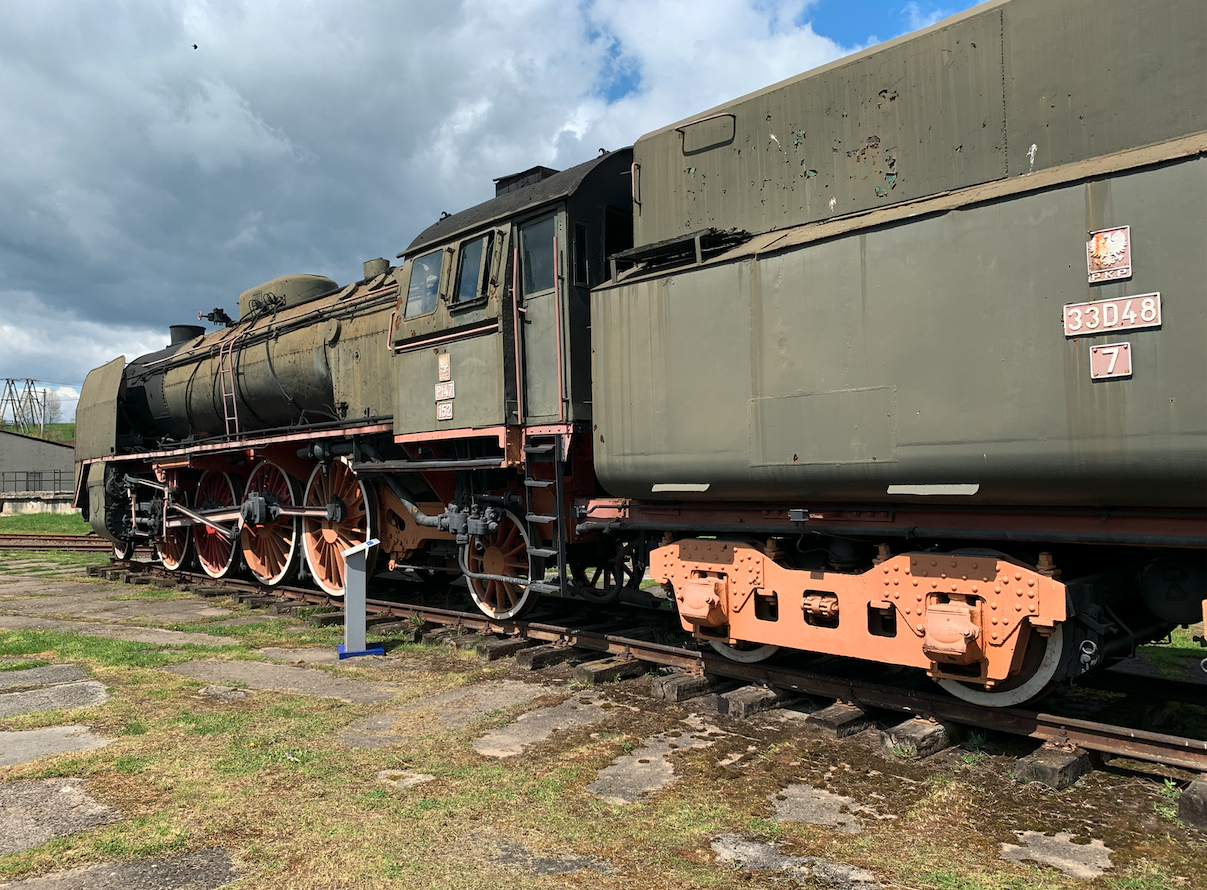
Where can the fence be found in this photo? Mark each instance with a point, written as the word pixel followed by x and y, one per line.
pixel 37 480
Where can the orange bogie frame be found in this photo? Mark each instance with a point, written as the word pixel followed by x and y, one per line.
pixel 966 618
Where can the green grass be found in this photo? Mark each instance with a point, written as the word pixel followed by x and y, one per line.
pixel 109 653
pixel 46 524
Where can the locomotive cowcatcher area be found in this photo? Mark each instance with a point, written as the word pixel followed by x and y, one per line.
pixel 152 736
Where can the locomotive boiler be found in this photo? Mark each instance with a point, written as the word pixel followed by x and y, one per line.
pixel 898 360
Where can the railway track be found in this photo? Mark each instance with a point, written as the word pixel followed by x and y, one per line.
pixel 1118 741
pixel 83 543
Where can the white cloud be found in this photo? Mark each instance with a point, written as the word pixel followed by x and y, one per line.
pixel 145 180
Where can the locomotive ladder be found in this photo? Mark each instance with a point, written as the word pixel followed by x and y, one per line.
pixel 226 382
pixel 545 450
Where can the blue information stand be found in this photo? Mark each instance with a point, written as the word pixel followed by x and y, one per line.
pixel 355 584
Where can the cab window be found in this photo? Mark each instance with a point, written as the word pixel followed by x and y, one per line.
pixel 425 283
pixel 472 269
pixel 536 243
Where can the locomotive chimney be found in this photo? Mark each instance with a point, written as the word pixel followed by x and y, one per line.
pixel 376 267
pixel 182 333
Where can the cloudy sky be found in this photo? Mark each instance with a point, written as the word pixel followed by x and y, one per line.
pixel 143 180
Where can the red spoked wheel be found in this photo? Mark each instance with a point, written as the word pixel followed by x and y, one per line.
pixel 325 540
pixel 174 545
pixel 215 553
pixel 503 552
pixel 270 550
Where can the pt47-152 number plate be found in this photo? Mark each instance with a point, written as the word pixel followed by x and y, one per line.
pixel 1106 316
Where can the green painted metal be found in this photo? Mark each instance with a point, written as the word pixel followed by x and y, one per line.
pixel 954 106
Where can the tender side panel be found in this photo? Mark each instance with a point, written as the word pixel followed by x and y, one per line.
pixel 959 105
pixel 930 352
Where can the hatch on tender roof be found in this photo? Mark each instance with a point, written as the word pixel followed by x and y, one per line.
pixel 513 181
pixel 284 293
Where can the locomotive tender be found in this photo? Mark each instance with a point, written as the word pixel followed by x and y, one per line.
pixel 900 359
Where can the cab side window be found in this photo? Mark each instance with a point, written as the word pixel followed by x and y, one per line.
pixel 536 240
pixel 473 269
pixel 425 283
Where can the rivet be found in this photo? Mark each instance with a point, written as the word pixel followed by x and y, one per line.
pixel 1033 607
pixel 934 562
pixel 896 581
pixel 953 563
pixel 955 586
pixel 934 584
pixel 1018 607
pixel 993 605
pixel 909 611
pixel 886 582
pixel 921 627
pixel 995 635
pixel 919 597
pixel 993 620
pixel 1030 582
pixel 896 594
pixel 975 588
pixel 886 570
pixel 1018 576
pixel 915 582
pixel 942 574
pixel 1031 594
pixel 913 562
pixel 974 565
pixel 896 568
pixel 997 589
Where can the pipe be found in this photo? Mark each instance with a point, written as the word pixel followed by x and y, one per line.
pixel 482 576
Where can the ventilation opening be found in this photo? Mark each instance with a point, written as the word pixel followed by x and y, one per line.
pixel 766 605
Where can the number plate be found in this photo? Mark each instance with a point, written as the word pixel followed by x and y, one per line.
pixel 1111 360
pixel 444 410
pixel 1105 316
pixel 445 391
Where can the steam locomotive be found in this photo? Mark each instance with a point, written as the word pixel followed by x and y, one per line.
pixel 900 360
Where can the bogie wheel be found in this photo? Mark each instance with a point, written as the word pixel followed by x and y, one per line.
pixel 324 540
pixel 123 550
pixel 745 653
pixel 174 546
pixel 504 552
pixel 604 583
pixel 216 554
pixel 1035 678
pixel 271 550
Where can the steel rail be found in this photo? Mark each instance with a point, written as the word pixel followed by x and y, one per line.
pixel 83 543
pixel 1118 741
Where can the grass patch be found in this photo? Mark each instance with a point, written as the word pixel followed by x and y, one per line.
pixel 67 558
pixel 46 524
pixel 23 664
pixel 62 646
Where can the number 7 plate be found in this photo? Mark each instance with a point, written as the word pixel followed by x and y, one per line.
pixel 1110 360
pixel 1107 316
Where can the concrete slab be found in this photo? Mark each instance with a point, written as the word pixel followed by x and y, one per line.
pixel 514 856
pixel 47 675
pixel 754 856
pixel 1192 805
pixel 816 806
pixel 1085 861
pixel 454 709
pixel 1054 767
pixel 224 694
pixel 204 870
pixel 402 779
pixel 31 744
pixel 153 636
pixel 537 726
pixel 299 681
pixel 646 769
pixel 87 694
pixel 308 655
pixel 39 810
